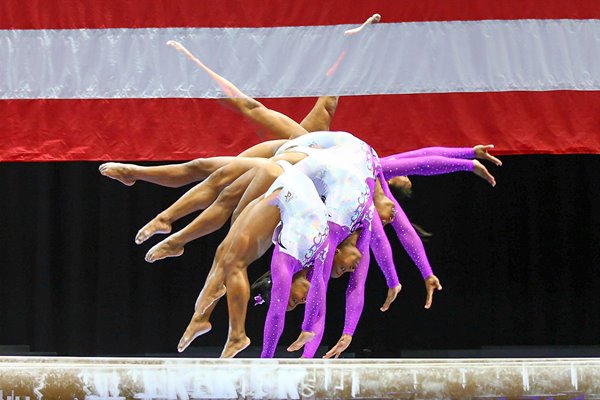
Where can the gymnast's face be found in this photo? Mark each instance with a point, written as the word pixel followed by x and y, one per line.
pixel 385 209
pixel 345 260
pixel 298 292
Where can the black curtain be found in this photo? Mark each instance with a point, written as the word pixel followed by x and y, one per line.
pixel 518 263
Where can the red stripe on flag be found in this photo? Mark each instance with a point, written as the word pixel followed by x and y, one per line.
pixel 77 14
pixel 181 129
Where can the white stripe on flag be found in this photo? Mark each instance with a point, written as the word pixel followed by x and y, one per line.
pixel 419 57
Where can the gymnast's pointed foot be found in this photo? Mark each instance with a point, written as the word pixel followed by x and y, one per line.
pixel 481 171
pixel 157 225
pixel 124 173
pixel 175 44
pixel 391 296
pixel 373 19
pixel 208 296
pixel 234 346
pixel 167 248
pixel 198 326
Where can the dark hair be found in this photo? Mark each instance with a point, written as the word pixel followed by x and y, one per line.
pixel 400 193
pixel 260 291
pixel 423 234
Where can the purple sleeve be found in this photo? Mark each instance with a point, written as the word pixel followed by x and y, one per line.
pixel 407 235
pixel 450 152
pixel 433 165
pixel 311 347
pixel 318 327
pixel 355 294
pixel 316 298
pixel 382 250
pixel 282 267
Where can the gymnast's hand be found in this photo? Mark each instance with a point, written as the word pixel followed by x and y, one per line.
pixel 431 283
pixel 482 152
pixel 339 347
pixel 304 338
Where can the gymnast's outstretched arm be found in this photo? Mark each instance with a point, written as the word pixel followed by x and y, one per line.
pixel 280 293
pixel 314 318
pixel 382 251
pixel 433 165
pixel 354 306
pixel 480 151
pixel 355 295
pixel 314 313
pixel 412 244
pixel 282 270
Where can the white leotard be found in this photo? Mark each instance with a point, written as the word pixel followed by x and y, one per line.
pixel 303 227
pixel 340 184
pixel 321 139
pixel 329 139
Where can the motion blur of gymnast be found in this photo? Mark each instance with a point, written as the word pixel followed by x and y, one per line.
pixel 234 182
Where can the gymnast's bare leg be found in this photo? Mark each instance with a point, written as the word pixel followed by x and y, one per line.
pixel 172 175
pixel 177 175
pixel 248 239
pixel 210 220
pixel 205 193
pixel 320 116
pixel 278 125
pixel 233 200
pixel 269 121
pixel 199 197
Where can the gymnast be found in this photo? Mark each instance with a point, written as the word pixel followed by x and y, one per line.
pixel 427 165
pixel 355 208
pixel 302 241
pixel 269 120
pixel 186 340
pixel 266 114
pixel 331 167
pixel 241 95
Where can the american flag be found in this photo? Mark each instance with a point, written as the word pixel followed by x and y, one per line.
pixel 88 80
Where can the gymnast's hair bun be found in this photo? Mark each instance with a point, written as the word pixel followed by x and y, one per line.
pixel 260 291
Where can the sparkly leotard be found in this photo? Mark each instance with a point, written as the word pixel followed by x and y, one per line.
pixel 301 241
pixel 370 169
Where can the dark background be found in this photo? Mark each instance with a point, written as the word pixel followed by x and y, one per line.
pixel 518 263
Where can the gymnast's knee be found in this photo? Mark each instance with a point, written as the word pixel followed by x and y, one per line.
pixel 249 105
pixel 270 169
pixel 231 257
